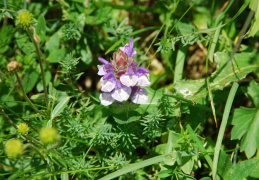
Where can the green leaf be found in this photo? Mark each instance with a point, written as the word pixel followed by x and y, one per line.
pixel 206 178
pixel 127 117
pixel 187 164
pixel 56 56
pixel 242 170
pixel 254 5
pixel 60 107
pixel 53 43
pixel 29 80
pixel 246 125
pixel 41 26
pixel 47 79
pixel 165 173
pixel 253 91
pixel 224 163
pixel 227 72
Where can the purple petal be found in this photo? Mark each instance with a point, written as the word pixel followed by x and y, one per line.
pixel 103 61
pixel 110 76
pixel 130 71
pixel 108 82
pixel 101 70
pixel 134 66
pixel 139 95
pixel 118 85
pixel 106 99
pixel 108 68
pixel 129 48
pixel 140 71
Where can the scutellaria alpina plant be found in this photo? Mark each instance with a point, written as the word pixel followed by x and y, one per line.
pixel 122 79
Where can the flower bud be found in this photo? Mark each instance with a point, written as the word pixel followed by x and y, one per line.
pixel 13 65
pixel 24 19
pixel 48 135
pixel 13 148
pixel 23 128
pixel 120 59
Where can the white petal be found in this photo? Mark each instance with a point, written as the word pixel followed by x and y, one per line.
pixel 107 86
pixel 101 71
pixel 121 94
pixel 106 99
pixel 143 80
pixel 128 80
pixel 140 97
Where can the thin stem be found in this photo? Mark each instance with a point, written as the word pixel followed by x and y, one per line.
pixel 223 127
pixel 41 66
pixel 24 135
pixel 24 94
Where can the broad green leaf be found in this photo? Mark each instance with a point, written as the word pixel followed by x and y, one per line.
pixel 224 163
pixel 127 117
pixel 29 80
pixel 41 26
pixel 227 72
pixel 38 97
pixel 53 43
pixel 56 56
pixel 25 45
pixel 253 91
pixel 242 170
pixel 246 125
pixel 187 164
pixel 60 107
pixel 165 173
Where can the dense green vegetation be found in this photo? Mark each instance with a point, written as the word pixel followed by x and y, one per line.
pixel 190 94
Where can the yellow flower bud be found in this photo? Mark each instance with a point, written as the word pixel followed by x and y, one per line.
pixel 24 19
pixel 23 128
pixel 48 135
pixel 13 148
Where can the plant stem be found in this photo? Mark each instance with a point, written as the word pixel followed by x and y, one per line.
pixel 25 96
pixel 14 125
pixel 41 66
pixel 223 127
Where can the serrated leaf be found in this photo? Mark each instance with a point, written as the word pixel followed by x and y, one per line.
pixel 41 26
pixel 227 72
pixel 253 91
pixel 246 125
pixel 254 5
pixel 60 107
pixel 30 80
pixel 56 56
pixel 242 170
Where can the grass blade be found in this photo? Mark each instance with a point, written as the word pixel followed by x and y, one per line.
pixel 223 127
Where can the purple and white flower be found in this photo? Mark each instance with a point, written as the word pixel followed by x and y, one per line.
pixel 121 78
pixel 139 95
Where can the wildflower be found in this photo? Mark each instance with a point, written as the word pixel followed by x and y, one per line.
pixel 13 148
pixel 23 128
pixel 121 78
pixel 48 135
pixel 24 19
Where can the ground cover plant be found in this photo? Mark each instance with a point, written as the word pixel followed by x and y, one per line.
pixel 164 89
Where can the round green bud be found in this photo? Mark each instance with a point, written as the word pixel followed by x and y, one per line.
pixel 23 128
pixel 48 135
pixel 13 148
pixel 24 19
